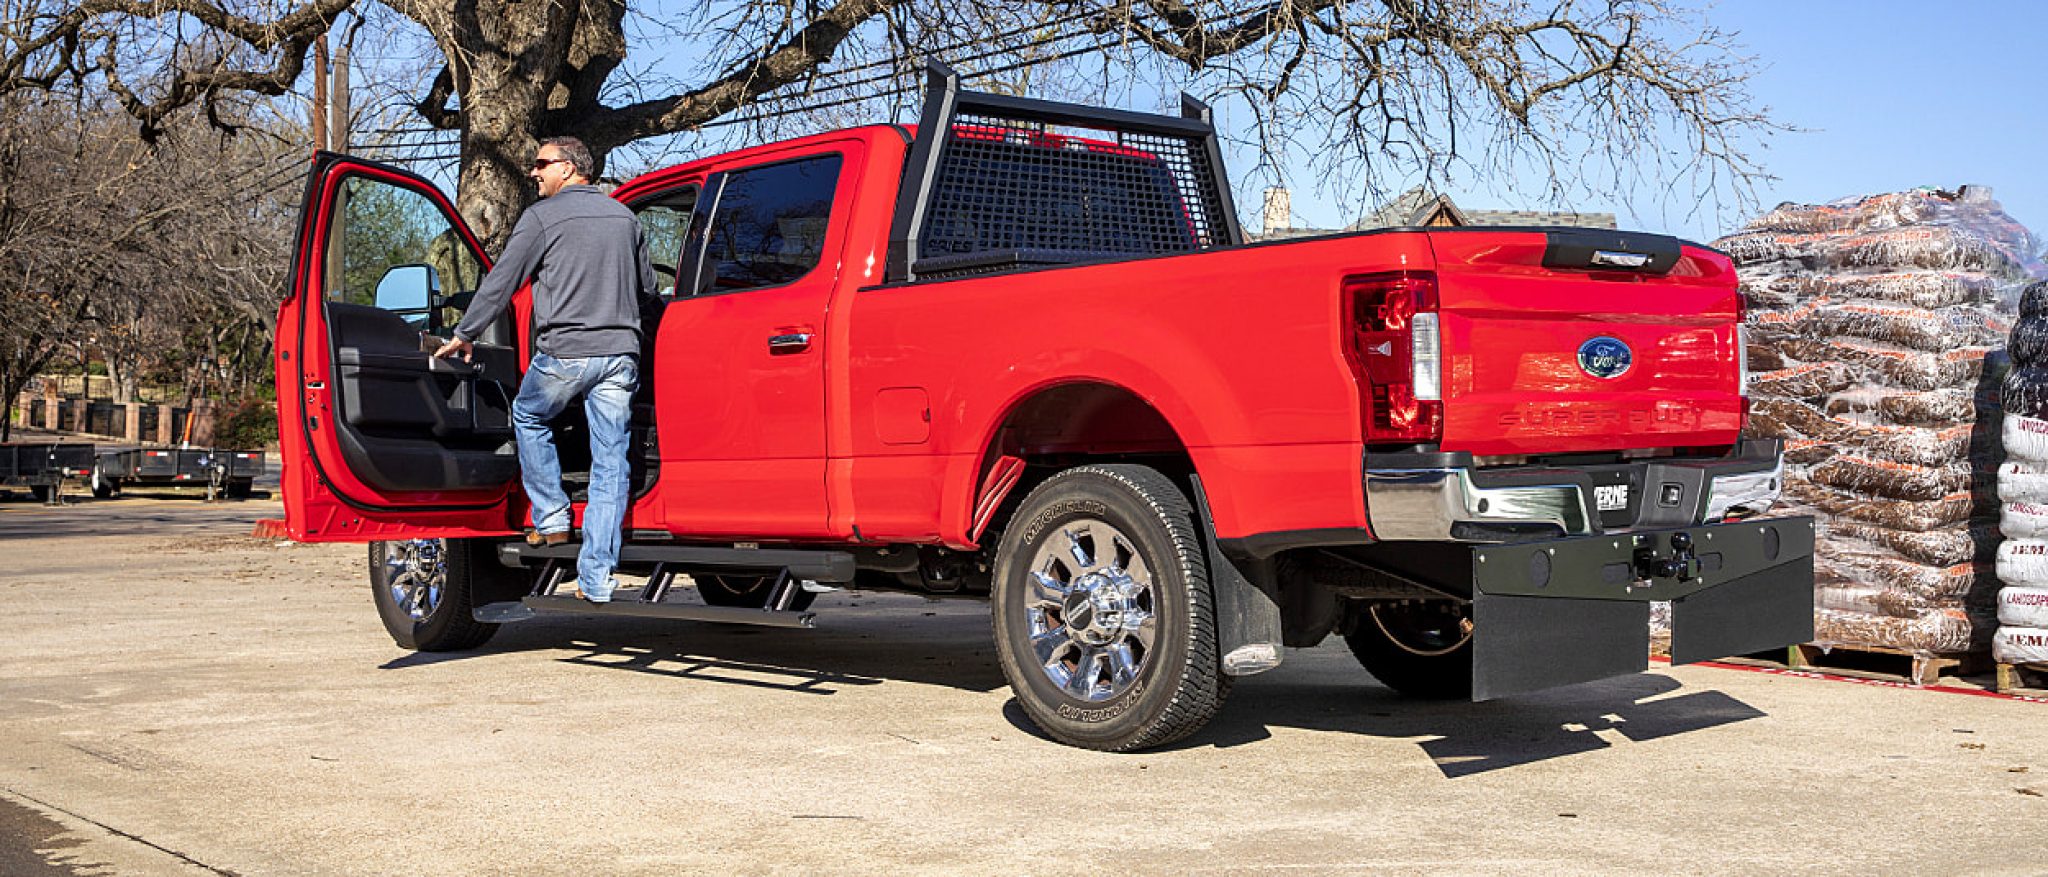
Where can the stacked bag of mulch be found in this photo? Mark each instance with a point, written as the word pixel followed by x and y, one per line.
pixel 2022 636
pixel 1874 336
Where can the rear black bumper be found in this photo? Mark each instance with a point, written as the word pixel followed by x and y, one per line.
pixel 1561 611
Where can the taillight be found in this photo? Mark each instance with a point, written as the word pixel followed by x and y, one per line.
pixel 1398 353
pixel 1742 355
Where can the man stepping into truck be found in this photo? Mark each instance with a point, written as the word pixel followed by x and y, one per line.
pixel 589 267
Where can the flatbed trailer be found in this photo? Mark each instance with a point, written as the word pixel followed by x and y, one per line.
pixel 42 467
pixel 221 471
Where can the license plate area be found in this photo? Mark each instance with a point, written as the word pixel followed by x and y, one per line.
pixel 1611 497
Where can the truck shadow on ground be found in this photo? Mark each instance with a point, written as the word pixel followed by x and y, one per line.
pixel 950 645
pixel 845 651
pixel 1465 738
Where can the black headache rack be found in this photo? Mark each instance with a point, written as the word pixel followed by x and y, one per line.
pixel 997 183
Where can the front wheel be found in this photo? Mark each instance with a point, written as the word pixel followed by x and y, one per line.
pixel 426 589
pixel 1105 623
pixel 103 487
pixel 1422 649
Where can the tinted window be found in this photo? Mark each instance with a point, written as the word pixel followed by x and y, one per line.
pixel 769 224
pixel 665 222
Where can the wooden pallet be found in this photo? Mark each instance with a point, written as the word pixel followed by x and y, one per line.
pixel 2025 680
pixel 1869 662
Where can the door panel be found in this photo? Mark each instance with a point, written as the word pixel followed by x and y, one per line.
pixel 742 358
pixel 380 439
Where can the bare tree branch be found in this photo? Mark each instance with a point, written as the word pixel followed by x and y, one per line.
pixel 798 56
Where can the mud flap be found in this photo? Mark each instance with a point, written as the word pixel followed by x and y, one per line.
pixel 1556 612
pixel 1248 628
pixel 1525 644
pixel 1763 610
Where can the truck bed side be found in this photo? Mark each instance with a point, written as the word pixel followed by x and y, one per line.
pixel 1239 352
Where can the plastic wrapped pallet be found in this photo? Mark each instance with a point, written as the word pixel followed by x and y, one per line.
pixel 1876 333
pixel 2022 636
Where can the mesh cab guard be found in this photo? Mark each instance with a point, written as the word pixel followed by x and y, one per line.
pixel 996 183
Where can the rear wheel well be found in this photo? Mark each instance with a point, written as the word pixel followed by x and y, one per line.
pixel 1053 430
pixel 1074 424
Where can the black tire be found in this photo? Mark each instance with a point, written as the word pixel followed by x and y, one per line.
pixel 471 576
pixel 746 592
pixel 1178 682
pixel 1421 649
pixel 41 492
pixel 239 488
pixel 102 486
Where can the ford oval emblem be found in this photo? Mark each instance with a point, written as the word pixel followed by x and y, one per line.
pixel 1605 357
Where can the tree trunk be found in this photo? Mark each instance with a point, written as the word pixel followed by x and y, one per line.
pixel 121 375
pixel 522 70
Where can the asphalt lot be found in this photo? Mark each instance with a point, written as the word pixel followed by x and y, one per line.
pixel 177 697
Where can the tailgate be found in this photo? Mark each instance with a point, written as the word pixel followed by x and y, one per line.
pixel 1583 354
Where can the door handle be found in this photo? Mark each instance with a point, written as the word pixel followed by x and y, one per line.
pixel 794 342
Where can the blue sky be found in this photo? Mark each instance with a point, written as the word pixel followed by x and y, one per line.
pixel 1892 95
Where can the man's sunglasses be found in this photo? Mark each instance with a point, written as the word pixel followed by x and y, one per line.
pixel 542 163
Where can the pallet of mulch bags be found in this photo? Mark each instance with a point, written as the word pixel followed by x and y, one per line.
pixel 1876 341
pixel 2020 645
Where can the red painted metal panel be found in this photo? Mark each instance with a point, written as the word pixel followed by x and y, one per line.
pixel 1512 331
pixel 324 501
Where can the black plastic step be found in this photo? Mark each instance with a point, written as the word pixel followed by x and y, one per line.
pixel 818 565
pixel 502 613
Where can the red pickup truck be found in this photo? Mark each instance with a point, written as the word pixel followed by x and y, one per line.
pixel 1021 352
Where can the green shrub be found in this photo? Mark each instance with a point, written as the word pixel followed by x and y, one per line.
pixel 249 423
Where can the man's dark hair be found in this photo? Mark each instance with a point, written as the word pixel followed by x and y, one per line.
pixel 577 154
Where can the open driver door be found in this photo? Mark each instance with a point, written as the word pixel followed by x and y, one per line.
pixel 381 440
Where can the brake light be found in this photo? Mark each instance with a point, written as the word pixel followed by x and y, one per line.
pixel 1742 356
pixel 1397 352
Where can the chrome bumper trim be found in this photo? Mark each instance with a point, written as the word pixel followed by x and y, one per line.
pixel 1425 504
pixel 1744 494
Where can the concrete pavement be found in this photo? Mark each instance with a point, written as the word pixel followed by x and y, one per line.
pixel 179 698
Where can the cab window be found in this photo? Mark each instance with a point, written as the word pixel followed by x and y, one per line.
pixel 767 224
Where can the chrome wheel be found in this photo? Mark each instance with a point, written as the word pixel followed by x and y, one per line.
pixel 1091 615
pixel 416 573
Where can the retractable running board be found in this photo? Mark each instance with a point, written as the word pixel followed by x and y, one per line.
pixel 818 565
pixel 648 601
pixel 672 611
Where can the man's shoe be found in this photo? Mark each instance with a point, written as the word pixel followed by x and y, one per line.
pixel 594 600
pixel 537 539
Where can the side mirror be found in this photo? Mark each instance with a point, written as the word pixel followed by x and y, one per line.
pixel 408 290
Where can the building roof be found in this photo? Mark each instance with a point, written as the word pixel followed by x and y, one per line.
pixel 1421 207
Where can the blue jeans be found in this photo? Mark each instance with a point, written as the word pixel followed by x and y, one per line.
pixel 606 384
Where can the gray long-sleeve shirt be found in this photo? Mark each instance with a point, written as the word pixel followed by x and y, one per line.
pixel 590 269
